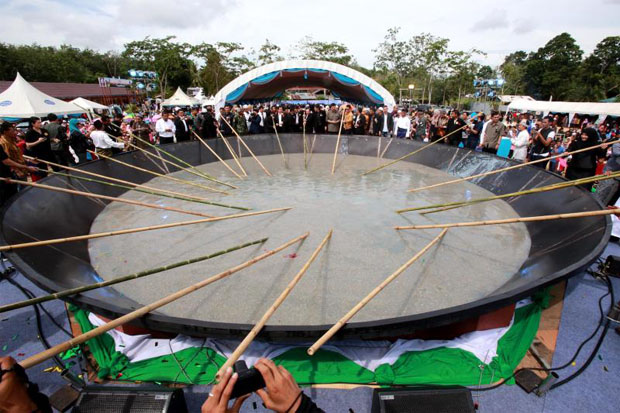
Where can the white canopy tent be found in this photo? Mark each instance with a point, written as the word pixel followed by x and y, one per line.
pixel 89 106
pixel 583 108
pixel 22 100
pixel 180 98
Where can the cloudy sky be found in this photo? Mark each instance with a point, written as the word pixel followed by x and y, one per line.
pixel 495 27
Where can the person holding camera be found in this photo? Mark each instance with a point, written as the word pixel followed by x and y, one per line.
pixel 281 393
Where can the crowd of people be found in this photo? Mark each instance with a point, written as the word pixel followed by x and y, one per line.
pixel 55 142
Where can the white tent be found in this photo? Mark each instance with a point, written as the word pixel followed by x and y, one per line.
pixel 180 99
pixel 22 100
pixel 583 108
pixel 88 104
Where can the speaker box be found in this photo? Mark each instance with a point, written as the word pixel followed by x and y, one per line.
pixel 116 399
pixel 403 400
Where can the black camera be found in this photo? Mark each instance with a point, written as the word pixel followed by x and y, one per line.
pixel 249 380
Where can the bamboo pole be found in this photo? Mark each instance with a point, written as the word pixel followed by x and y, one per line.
pixel 147 153
pixel 159 149
pixel 509 168
pixel 261 323
pixel 232 152
pixel 105 197
pixel 451 205
pixel 338 142
pixel 169 177
pixel 414 152
pixel 216 155
pixel 247 147
pixel 304 142
pixel 514 220
pixel 275 129
pixel 90 287
pixel 156 193
pixel 134 230
pixel 122 181
pixel 332 331
pixel 41 357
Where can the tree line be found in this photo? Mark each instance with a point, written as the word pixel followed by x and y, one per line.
pixel 440 74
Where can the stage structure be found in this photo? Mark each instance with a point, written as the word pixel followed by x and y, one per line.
pixel 268 82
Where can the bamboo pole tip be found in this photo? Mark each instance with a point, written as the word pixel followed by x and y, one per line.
pixel 311 351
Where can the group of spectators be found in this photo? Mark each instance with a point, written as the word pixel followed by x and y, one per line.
pixel 54 142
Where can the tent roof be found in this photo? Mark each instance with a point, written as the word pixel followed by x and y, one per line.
pixel 585 108
pixel 512 98
pixel 268 82
pixel 88 104
pixel 22 100
pixel 180 98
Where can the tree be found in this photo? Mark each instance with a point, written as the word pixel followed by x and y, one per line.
pixel 553 69
pixel 513 71
pixel 169 59
pixel 268 53
pixel 221 63
pixel 600 72
pixel 330 51
pixel 396 56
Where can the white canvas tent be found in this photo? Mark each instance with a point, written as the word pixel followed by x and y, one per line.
pixel 583 108
pixel 22 100
pixel 89 106
pixel 180 98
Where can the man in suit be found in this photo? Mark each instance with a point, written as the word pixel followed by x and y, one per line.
pixel 383 123
pixel 360 122
pixel 289 121
pixel 183 127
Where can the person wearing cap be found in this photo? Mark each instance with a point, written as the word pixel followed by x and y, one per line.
pixel 402 125
pixel 333 119
pixel 520 142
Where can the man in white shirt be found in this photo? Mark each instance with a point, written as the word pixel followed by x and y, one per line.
pixel 402 125
pixel 103 143
pixel 165 129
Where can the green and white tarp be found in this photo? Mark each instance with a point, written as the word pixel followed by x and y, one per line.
pixel 480 357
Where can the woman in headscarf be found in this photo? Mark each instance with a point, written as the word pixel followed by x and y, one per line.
pixel 78 141
pixel 583 164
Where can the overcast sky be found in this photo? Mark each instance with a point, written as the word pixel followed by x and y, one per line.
pixel 496 27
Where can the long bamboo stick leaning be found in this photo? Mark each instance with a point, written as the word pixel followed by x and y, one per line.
pixel 509 168
pixel 147 153
pixel 99 181
pixel 451 205
pixel 303 136
pixel 41 357
pixel 414 152
pixel 90 287
pixel 134 230
pixel 338 142
pixel 168 177
pixel 247 147
pixel 261 323
pixel 106 197
pixel 216 155
pixel 275 129
pixel 332 331
pixel 232 152
pixel 160 149
pixel 571 215
pixel 122 181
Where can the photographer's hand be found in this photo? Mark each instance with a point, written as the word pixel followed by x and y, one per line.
pixel 283 393
pixel 217 402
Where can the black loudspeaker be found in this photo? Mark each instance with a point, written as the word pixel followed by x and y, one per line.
pixel 403 400
pixel 115 399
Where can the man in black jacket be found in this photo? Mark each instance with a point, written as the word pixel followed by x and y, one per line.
pixel 183 127
pixel 383 123
pixel 209 124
